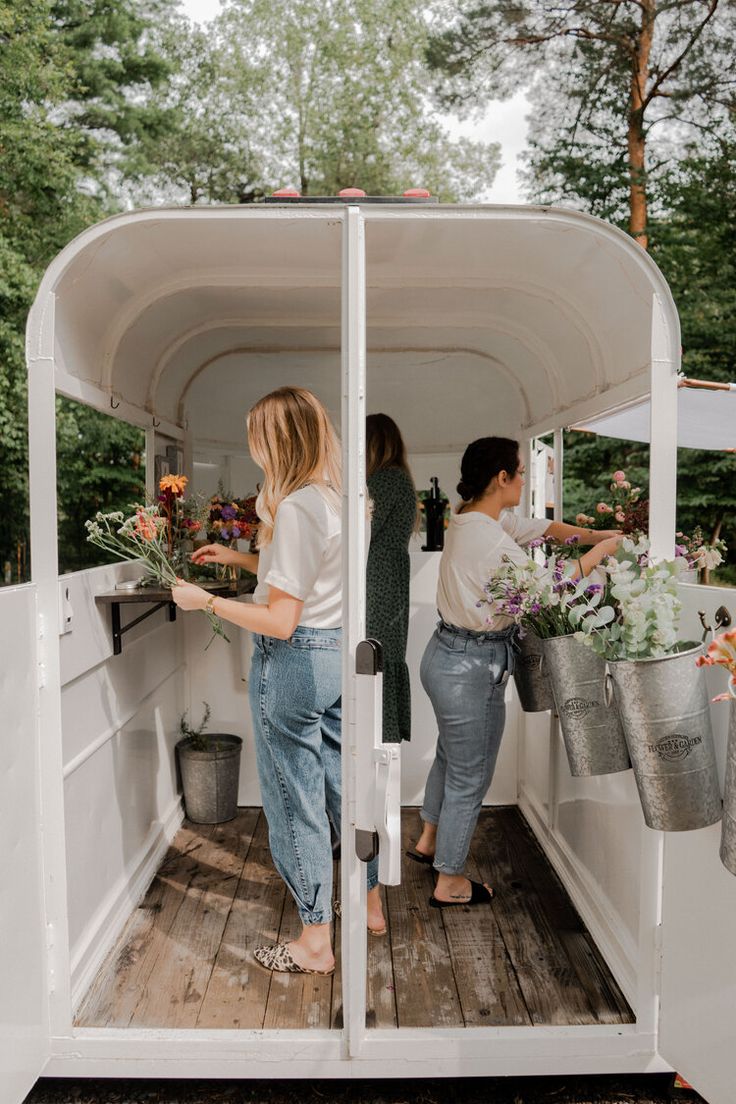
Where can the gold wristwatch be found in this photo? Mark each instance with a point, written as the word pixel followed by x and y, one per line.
pixel 209 605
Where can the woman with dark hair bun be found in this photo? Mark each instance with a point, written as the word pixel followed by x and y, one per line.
pixel 468 661
pixel 394 518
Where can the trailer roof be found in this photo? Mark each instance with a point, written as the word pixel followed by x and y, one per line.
pixel 507 319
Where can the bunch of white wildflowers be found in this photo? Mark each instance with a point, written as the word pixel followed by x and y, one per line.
pixel 546 598
pixel 141 536
pixel 645 605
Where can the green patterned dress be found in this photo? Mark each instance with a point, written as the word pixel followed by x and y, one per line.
pixel 387 586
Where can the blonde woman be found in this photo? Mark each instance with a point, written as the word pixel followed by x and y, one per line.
pixel 295 678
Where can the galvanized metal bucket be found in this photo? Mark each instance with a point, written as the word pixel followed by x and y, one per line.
pixel 591 729
pixel 532 683
pixel 728 828
pixel 210 778
pixel 664 710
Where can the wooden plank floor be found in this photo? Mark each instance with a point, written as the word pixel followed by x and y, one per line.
pixel 185 956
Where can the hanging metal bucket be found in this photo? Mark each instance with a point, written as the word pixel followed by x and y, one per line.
pixel 532 683
pixel 728 828
pixel 664 710
pixel 591 729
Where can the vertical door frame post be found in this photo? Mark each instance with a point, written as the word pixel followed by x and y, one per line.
pixel 354 533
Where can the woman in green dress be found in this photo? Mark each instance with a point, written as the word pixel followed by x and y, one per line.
pixel 394 519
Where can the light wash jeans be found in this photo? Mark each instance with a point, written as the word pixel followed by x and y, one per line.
pixel 294 692
pixel 465 675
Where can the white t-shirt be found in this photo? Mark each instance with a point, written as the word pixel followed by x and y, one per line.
pixel 304 558
pixel 475 546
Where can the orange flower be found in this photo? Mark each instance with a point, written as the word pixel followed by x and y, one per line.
pixel 174 483
pixel 145 527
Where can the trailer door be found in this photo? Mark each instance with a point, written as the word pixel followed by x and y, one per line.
pixel 24 1043
pixel 697 1032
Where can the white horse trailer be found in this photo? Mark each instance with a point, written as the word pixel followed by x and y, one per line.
pixel 459 322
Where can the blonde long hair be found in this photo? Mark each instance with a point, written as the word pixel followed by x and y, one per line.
pixel 292 438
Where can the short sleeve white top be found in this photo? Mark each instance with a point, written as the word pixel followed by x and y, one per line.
pixel 475 546
pixel 304 558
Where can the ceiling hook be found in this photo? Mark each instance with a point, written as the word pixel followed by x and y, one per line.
pixel 114 404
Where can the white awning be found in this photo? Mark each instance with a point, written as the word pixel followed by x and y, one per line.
pixel 706 417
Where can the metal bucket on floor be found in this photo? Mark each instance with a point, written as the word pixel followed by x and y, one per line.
pixel 591 729
pixel 532 683
pixel 728 828
pixel 210 778
pixel 664 710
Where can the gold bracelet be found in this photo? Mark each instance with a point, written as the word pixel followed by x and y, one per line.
pixel 209 605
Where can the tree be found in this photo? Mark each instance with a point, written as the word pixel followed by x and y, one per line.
pixel 67 68
pixel 202 149
pixel 100 466
pixel 604 74
pixel 335 96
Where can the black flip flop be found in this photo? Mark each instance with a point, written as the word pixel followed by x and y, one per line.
pixel 418 857
pixel 479 895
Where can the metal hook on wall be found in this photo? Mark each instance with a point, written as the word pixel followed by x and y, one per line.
pixel 722 620
pixel 156 424
pixel 114 404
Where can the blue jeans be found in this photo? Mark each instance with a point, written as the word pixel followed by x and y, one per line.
pixel 294 691
pixel 464 674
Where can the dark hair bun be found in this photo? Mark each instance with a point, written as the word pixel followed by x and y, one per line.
pixel 482 461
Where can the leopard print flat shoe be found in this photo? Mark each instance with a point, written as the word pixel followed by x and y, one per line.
pixel 278 957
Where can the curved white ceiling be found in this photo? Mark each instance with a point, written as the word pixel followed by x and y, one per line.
pixel 478 319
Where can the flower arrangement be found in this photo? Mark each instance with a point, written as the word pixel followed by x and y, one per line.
pixel 544 597
pixel 721 652
pixel 642 606
pixel 144 535
pixel 701 555
pixel 629 512
pixel 625 510
pixel 232 519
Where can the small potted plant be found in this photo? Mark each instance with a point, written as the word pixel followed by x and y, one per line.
pixel 210 769
pixel 660 694
pixel 722 653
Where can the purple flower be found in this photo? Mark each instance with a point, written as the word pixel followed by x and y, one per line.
pixel 235 532
pixel 537 543
pixel 225 533
pixel 593 588
pixel 228 512
pixel 680 549
pixel 574 539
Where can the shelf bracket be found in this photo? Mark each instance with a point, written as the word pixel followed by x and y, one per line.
pixel 118 630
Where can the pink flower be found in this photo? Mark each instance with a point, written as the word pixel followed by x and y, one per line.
pixel 619 476
pixel 620 517
pixel 604 508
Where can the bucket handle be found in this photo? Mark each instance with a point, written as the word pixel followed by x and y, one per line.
pixel 541 662
pixel 608 689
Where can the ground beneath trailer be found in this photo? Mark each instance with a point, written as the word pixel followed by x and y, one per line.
pixel 652 1089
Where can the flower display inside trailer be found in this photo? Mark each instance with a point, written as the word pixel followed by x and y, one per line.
pixel 721 652
pixel 643 603
pixel 232 519
pixel 543 596
pixel 142 536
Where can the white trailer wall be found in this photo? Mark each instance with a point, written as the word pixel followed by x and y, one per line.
pixel 120 719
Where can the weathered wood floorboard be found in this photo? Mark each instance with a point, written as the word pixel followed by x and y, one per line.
pixel 116 991
pixel 549 985
pixel 426 992
pixel 297 1000
pixel 175 989
pixel 185 956
pixel 238 988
